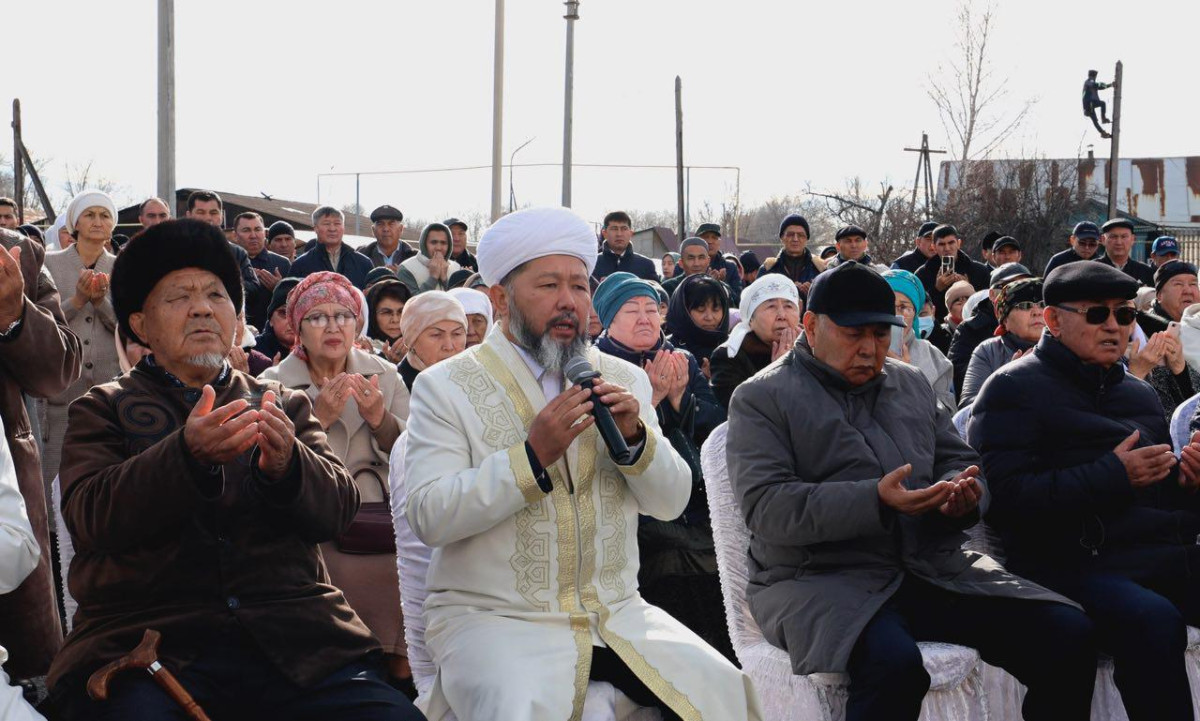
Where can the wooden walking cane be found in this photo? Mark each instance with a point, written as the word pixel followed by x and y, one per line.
pixel 145 657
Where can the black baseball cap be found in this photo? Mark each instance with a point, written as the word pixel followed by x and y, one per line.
pixel 708 228
pixel 1005 240
pixel 451 222
pixel 853 294
pixel 1086 229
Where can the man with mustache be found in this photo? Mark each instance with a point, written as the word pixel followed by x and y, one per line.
pixel 196 497
pixel 533 577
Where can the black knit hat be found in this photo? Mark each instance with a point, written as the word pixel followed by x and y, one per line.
pixel 794 219
pixel 280 227
pixel 377 274
pixel 1170 269
pixel 162 249
pixel 280 294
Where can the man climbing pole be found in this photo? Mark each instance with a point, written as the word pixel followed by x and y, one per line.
pixel 1091 101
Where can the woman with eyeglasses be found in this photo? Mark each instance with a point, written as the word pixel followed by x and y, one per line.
pixel 912 348
pixel 362 404
pixel 1019 309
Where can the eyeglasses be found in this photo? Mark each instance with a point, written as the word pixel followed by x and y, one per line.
pixel 1031 305
pixel 320 320
pixel 1098 314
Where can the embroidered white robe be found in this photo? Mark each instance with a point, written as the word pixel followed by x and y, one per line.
pixel 522 583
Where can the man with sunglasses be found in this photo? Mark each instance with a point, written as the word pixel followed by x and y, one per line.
pixel 1087 496
pixel 1085 244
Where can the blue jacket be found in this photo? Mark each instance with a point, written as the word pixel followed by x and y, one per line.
pixel 608 262
pixel 1045 427
pixel 351 263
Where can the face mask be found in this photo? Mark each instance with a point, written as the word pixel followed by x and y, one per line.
pixel 924 326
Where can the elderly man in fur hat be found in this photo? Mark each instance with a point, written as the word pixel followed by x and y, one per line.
pixel 196 496
pixel 533 578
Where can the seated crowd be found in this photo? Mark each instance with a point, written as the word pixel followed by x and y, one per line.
pixel 400 482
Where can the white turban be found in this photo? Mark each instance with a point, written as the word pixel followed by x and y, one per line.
pixel 526 235
pixel 474 303
pixel 768 287
pixel 89 199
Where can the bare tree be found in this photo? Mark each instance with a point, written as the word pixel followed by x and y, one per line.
pixel 8 184
pixel 969 96
pixel 888 219
pixel 79 178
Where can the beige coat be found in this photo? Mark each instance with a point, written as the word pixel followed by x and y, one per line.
pixel 370 582
pixel 350 437
pixel 95 325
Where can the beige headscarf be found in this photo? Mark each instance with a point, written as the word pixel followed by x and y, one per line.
pixel 426 309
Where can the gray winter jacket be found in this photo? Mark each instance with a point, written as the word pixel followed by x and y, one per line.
pixel 806 452
pixel 986 359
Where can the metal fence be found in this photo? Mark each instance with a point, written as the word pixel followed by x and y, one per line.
pixel 1189 243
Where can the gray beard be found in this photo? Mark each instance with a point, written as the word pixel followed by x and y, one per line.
pixel 212 361
pixel 549 353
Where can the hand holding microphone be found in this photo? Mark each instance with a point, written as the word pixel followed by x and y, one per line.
pixel 614 408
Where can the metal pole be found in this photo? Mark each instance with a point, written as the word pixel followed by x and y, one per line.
pixel 497 108
pixel 166 102
pixel 737 204
pixel 568 99
pixel 18 162
pixel 679 156
pixel 512 194
pixel 687 216
pixel 1115 157
pixel 357 204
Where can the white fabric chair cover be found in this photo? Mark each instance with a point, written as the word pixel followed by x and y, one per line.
pixel 13 706
pixel 956 693
pixel 66 551
pixel 603 701
pixel 1180 420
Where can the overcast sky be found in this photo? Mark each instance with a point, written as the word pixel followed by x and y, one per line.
pixel 270 94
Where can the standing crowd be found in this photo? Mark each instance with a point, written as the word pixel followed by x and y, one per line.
pixel 402 483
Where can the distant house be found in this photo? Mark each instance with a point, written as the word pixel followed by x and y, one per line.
pixel 298 213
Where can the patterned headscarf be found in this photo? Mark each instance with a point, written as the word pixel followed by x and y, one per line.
pixel 1018 291
pixel 318 288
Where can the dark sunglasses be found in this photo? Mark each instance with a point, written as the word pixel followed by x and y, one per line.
pixel 1098 314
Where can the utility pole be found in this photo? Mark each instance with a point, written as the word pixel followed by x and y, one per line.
pixel 497 108
pixel 568 99
pixel 18 163
pixel 1114 159
pixel 679 156
pixel 923 169
pixel 166 103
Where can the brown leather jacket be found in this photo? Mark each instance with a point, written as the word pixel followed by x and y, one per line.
pixel 41 359
pixel 164 542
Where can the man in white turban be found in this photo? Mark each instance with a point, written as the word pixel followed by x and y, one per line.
pixel 533 577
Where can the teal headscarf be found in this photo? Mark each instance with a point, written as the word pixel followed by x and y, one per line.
pixel 615 290
pixel 904 282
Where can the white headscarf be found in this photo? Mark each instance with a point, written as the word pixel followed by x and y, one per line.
pixel 88 199
pixel 767 287
pixel 527 235
pixel 51 235
pixel 474 303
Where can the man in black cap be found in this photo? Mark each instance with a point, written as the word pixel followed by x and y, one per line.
pixel 795 260
pixel 1175 288
pixel 750 266
pixel 982 325
pixel 1087 495
pixel 276 338
pixel 720 267
pixel 1118 238
pixel 947 266
pixel 856 490
pixel 196 497
pixel 921 252
pixel 986 245
pixel 851 244
pixel 387 224
pixel 616 252
pixel 458 245
pixel 281 240
pixel 1085 245
pixel 1005 249
pixel 827 252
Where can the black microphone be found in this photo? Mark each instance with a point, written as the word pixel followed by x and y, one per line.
pixel 579 372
